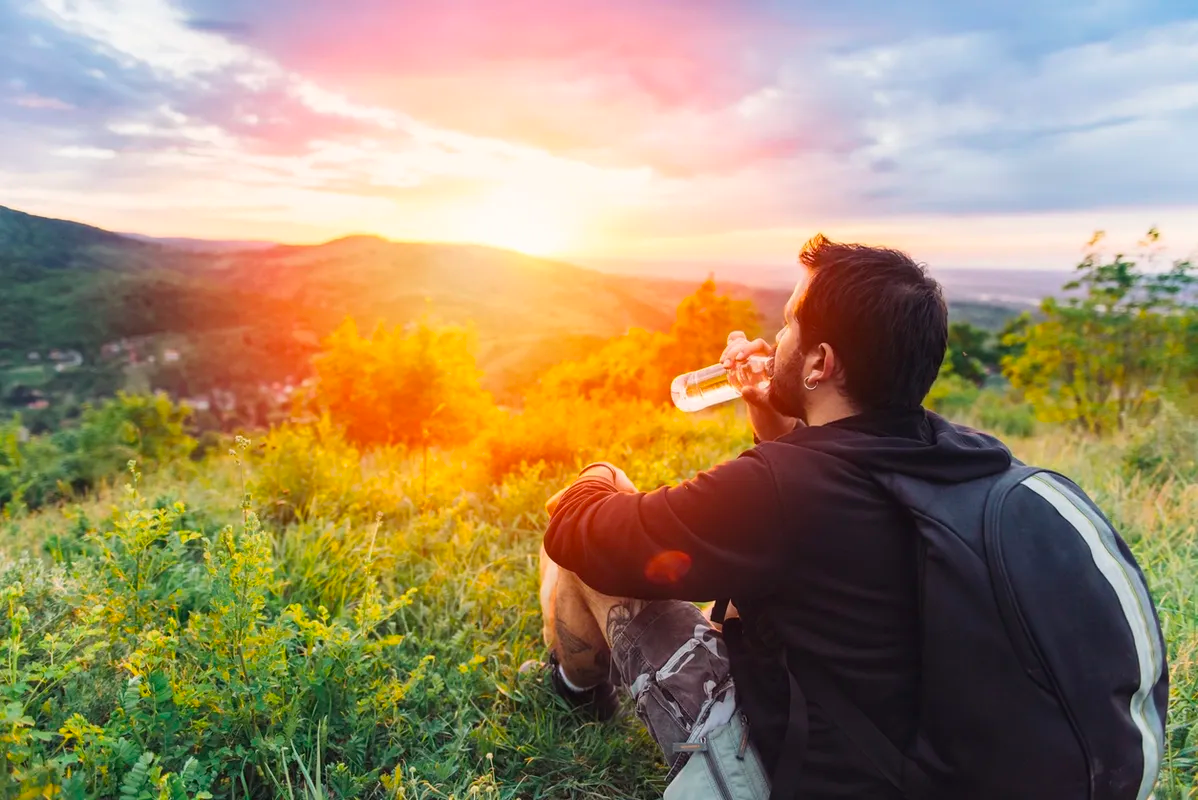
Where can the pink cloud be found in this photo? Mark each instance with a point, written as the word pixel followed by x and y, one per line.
pixel 618 83
pixel 40 102
pixel 271 120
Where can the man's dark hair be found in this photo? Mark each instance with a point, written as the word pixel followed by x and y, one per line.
pixel 883 316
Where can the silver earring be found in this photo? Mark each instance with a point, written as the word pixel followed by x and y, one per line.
pixel 809 387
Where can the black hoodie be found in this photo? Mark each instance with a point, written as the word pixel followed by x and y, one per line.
pixel 800 527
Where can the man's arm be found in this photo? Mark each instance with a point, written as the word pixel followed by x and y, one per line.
pixel 718 535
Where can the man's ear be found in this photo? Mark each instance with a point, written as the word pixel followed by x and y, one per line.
pixel 821 365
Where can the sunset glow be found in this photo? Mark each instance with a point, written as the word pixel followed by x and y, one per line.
pixel 664 130
pixel 520 220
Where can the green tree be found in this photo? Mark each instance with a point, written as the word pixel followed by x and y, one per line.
pixel 971 352
pixel 398 386
pixel 951 394
pixel 1009 342
pixel 1107 356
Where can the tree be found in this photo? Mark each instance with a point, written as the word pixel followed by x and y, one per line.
pixel 414 386
pixel 641 364
pixel 971 352
pixel 702 324
pixel 951 394
pixel 1010 339
pixel 1107 356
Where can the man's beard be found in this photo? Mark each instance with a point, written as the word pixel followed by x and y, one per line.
pixel 787 395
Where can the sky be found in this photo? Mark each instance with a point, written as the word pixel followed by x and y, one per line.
pixel 716 131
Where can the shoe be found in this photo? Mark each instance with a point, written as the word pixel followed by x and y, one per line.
pixel 600 703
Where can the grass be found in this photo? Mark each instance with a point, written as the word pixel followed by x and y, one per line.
pixel 31 376
pixel 374 620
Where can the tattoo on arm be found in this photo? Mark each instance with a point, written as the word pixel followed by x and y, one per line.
pixel 570 641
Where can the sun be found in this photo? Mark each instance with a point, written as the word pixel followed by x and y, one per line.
pixel 521 220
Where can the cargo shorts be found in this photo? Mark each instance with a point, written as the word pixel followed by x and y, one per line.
pixel 675 665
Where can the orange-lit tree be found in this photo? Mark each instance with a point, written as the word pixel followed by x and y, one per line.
pixel 396 386
pixel 703 322
pixel 641 364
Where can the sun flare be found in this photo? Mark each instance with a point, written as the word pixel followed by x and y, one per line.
pixel 520 220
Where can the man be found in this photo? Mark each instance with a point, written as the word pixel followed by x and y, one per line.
pixel 821 563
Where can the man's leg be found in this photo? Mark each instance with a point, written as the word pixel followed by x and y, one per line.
pixel 570 628
pixel 666 653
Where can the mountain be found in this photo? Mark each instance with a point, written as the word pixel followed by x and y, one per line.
pixel 62 244
pixel 247 316
pixel 203 245
pixel 67 285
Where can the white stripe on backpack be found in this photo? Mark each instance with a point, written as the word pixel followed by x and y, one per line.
pixel 1134 603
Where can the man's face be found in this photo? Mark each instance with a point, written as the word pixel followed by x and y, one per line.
pixel 786 392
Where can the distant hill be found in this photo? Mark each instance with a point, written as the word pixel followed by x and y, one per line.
pixel 1013 288
pixel 243 315
pixel 203 245
pixel 252 315
pixel 61 244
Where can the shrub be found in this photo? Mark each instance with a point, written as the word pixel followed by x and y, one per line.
pixel 172 667
pixel 1164 449
pixel 32 469
pixel 149 429
pixel 1004 414
pixel 36 470
pixel 303 470
pixel 951 395
pixel 419 386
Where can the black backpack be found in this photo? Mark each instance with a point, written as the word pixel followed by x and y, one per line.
pixel 1043 664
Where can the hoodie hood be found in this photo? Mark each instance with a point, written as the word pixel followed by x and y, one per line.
pixel 919 444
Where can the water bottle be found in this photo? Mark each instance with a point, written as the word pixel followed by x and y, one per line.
pixel 706 387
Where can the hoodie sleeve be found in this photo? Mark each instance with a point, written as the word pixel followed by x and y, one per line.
pixel 717 535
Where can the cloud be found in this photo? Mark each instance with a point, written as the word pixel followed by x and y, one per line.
pixel 37 101
pixel 621 82
pixel 1097 124
pixel 85 152
pixel 651 119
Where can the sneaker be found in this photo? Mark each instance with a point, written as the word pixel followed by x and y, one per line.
pixel 601 703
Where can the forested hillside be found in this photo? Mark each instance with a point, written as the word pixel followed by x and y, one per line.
pixel 86 312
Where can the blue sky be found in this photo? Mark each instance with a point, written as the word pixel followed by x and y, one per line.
pixel 977 133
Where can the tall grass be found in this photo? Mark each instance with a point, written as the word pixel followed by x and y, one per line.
pixel 300 619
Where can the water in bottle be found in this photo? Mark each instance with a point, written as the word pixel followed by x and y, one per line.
pixel 706 387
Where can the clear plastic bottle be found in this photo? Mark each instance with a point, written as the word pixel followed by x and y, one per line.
pixel 709 386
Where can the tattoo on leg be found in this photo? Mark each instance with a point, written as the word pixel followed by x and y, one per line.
pixel 618 617
pixel 572 642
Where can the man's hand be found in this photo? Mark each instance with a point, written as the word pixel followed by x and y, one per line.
pixel 605 469
pixel 767 423
pixel 601 469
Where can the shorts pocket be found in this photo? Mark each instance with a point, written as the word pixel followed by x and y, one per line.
pixel 725 766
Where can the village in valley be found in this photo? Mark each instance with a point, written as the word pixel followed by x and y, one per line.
pixel 47 387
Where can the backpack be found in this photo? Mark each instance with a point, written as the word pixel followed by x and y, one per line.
pixel 1043 670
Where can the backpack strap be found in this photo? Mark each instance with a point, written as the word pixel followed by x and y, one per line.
pixel 900 771
pixel 719 611
pixel 784 780
pixel 903 773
